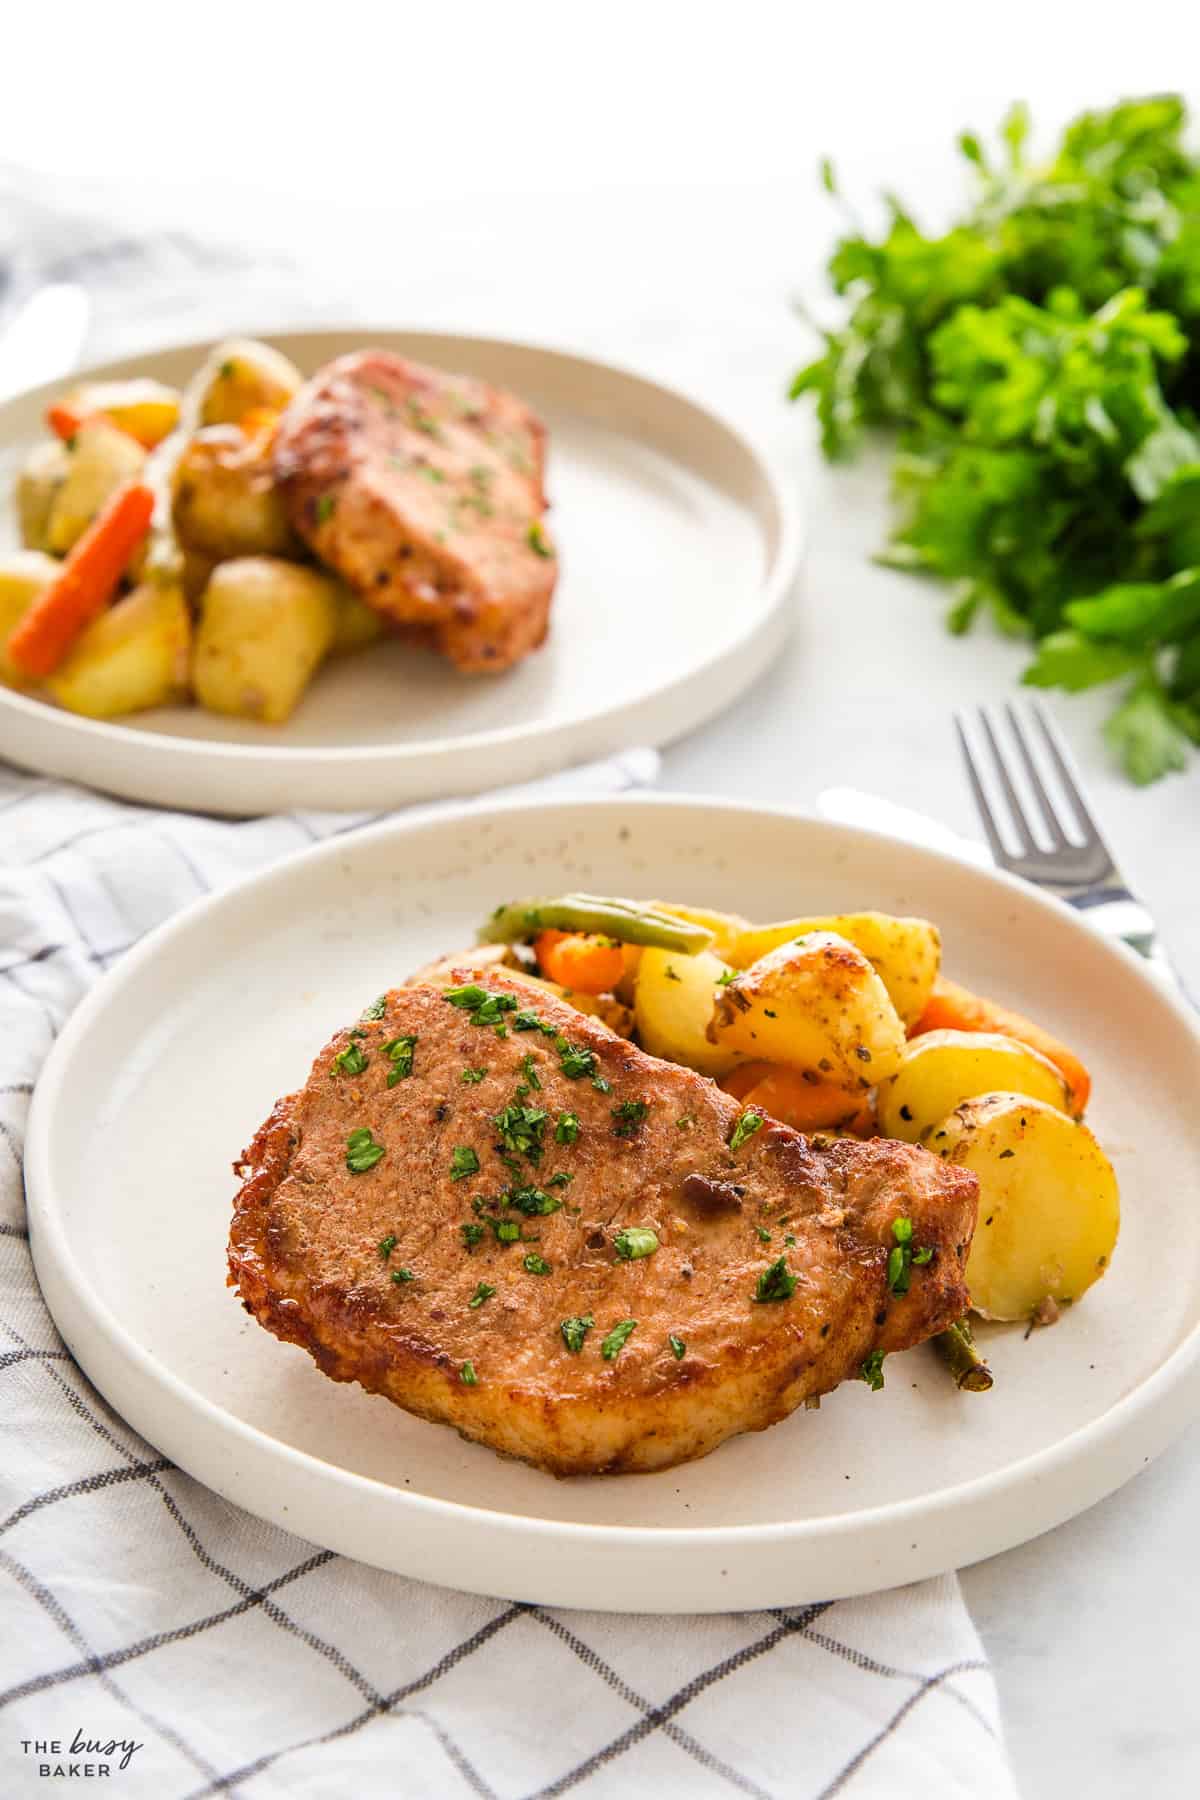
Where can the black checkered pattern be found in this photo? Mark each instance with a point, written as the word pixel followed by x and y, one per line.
pixel 137 1605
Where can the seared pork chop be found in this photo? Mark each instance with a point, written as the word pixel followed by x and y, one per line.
pixel 506 1218
pixel 424 491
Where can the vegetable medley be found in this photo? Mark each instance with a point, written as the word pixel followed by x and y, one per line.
pixel 158 562
pixel 1042 359
pixel 846 1025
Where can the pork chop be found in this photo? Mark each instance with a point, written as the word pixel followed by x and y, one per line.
pixel 504 1217
pixel 424 491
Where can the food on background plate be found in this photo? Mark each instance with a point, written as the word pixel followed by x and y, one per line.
pixel 493 1156
pixel 573 1252
pixel 411 499
pixel 1040 358
pixel 425 491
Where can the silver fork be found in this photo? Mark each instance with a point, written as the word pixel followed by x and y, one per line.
pixel 1078 865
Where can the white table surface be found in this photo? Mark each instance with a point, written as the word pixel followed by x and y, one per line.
pixel 652 238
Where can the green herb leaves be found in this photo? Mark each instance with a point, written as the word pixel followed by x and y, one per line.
pixel 678 1347
pixel 748 1123
pixel 463 1162
pixel 902 1257
pixel 575 1060
pixel 536 538
pixel 575 1330
pixel 1040 359
pixel 399 1052
pixel 484 1008
pixel 350 1061
pixel 483 1291
pixel 520 1129
pixel 634 1242
pixel 617 1339
pixel 566 1128
pixel 871 1370
pixel 533 1264
pixel 628 1116
pixel 362 1152
pixel 775 1283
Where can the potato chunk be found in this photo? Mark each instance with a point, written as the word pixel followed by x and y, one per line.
pixel 147 410
pixel 23 576
pixel 905 953
pixel 101 460
pixel 43 473
pixel 355 624
pixel 941 1069
pixel 1049 1208
pixel 674 998
pixel 265 626
pixel 133 656
pixel 814 1004
pixel 247 375
pixel 224 499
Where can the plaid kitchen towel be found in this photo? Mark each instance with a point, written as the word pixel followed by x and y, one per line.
pixel 142 1610
pixel 153 1631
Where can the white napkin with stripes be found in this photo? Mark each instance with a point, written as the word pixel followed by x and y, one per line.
pixel 139 1608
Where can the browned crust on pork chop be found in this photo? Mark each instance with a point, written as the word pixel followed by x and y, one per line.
pixel 310 1252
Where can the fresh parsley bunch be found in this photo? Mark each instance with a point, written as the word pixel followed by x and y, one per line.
pixel 1042 362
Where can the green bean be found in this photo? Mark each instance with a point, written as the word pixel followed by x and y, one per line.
pixel 623 920
pixel 957 1347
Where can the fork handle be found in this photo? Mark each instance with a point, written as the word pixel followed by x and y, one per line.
pixel 1117 913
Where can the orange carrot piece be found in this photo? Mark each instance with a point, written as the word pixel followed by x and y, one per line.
pixel 954 1008
pixel 805 1105
pixel 260 421
pixel 580 960
pixel 63 420
pixel 85 584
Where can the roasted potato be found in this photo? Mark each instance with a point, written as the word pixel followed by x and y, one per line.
pixel 355 624
pixel 943 1068
pixel 133 656
pixel 674 999
pixel 147 410
pixel 814 1004
pixel 42 475
pixel 905 953
pixel 23 575
pixel 224 499
pixel 265 626
pixel 247 375
pixel 1049 1208
pixel 100 460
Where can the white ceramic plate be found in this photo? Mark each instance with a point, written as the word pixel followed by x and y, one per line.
pixel 679 548
pixel 163 1073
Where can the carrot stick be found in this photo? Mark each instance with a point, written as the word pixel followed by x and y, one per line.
pixel 85 584
pixel 954 1008
pixel 63 420
pixel 579 960
pixel 805 1105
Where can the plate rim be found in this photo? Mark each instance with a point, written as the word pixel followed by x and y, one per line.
pixel 774 587
pixel 1085 1445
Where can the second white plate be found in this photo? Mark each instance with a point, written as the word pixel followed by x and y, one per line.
pixel 164 1072
pixel 679 549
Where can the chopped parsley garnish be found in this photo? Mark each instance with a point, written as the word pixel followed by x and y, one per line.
pixel 226 371
pixel 325 506
pixel 634 1242
pixel 678 1347
pixel 601 1086
pixel 529 1073
pixel 399 1052
pixel 575 1059
pixel 463 1162
pixel 386 1246
pixel 562 1178
pixel 567 1129
pixel 401 1276
pixel 617 1339
pixel 520 1128
pixel 575 1330
pixel 534 1202
pixel 764 1237
pixel 483 1292
pixel 749 1122
pixel 350 1061
pixel 526 1021
pixel 362 1152
pixel 471 1233
pixel 484 1008
pixel 507 1230
pixel 535 537
pixel 903 1256
pixel 871 1371
pixel 726 976
pixel 533 1264
pixel 376 1009
pixel 467 1375
pixel 776 1282
pixel 628 1115
pixel 429 472
pixel 472 1076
